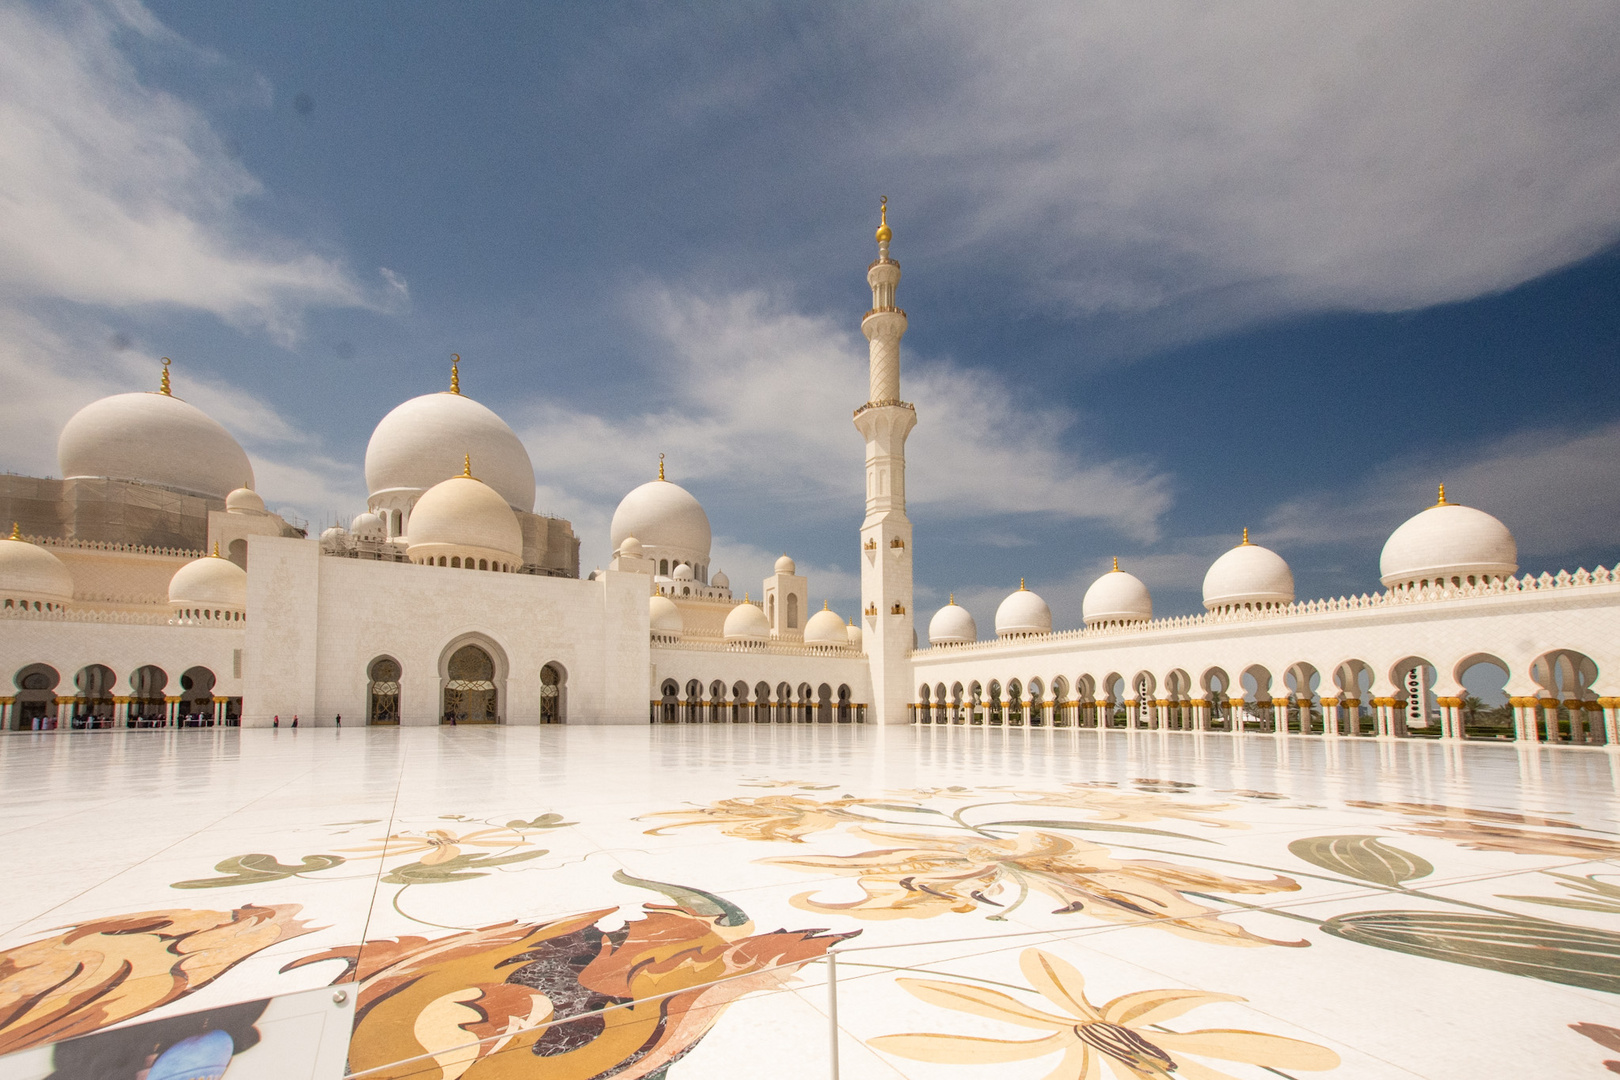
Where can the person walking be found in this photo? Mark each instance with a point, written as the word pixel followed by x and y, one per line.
pixel 295 721
pixel 339 720
pixel 275 721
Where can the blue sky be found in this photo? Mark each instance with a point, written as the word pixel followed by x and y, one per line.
pixel 1171 271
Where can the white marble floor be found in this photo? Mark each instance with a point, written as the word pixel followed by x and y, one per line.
pixel 1130 904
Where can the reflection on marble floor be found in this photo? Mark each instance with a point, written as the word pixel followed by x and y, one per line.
pixel 1004 903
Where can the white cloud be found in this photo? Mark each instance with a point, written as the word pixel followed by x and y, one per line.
pixel 1247 158
pixel 117 194
pixel 759 399
pixel 1558 491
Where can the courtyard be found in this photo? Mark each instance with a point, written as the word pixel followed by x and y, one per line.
pixel 1003 903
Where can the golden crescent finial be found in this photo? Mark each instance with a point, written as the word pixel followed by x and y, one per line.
pixel 884 235
pixel 953 599
pixel 1021 585
pixel 163 387
pixel 216 549
pixel 1245 536
pixel 660 466
pixel 824 605
pixel 16 533
pixel 1116 564
pixel 1442 501
pixel 455 373
pixel 466 466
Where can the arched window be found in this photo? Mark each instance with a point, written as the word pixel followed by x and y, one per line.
pixel 793 611
pixel 663 567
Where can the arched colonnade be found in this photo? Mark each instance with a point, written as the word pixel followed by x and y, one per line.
pixel 1555 698
pixel 762 703
pixel 42 699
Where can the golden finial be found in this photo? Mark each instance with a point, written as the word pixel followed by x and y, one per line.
pixel 163 388
pixel 883 233
pixel 466 466
pixel 953 599
pixel 660 466
pixel 16 533
pixel 1245 536
pixel 455 373
pixel 216 549
pixel 824 605
pixel 1442 501
pixel 1116 564
pixel 1021 585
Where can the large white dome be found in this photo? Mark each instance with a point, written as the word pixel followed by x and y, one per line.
pixel 1116 597
pixel 1248 576
pixel 826 628
pixel 209 583
pixel 952 625
pixel 156 439
pixel 1023 613
pixel 1448 542
pixel 463 517
pixel 31 575
pixel 746 622
pixel 426 439
pixel 666 519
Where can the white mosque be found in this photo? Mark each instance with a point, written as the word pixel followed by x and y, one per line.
pixel 150 586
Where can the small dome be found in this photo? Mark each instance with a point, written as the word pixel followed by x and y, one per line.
pixel 466 517
pixel 666 518
pixel 208 583
pixel 29 574
pixel 244 501
pixel 1116 597
pixel 1248 576
pixel 747 622
pixel 952 625
pixel 423 442
pixel 665 617
pixel 720 581
pixel 826 628
pixel 1448 542
pixel 335 539
pixel 368 526
pixel 155 439
pixel 630 548
pixel 682 572
pixel 785 565
pixel 854 631
pixel 1023 613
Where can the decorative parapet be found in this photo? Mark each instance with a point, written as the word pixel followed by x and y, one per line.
pixel 885 403
pixel 763 648
pixel 108 545
pixel 1395 598
pixel 124 618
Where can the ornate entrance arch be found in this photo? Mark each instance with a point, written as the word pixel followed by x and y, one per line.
pixel 472 677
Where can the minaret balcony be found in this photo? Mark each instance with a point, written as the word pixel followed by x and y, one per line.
pixel 890 403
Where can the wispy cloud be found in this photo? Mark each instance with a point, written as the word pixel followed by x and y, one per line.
pixel 116 194
pixel 757 397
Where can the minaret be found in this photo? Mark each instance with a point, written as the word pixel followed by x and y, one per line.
pixel 886 552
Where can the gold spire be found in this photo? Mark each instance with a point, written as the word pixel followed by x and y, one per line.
pixel 883 233
pixel 466 466
pixel 1116 564
pixel 163 387
pixel 455 373
pixel 1021 585
pixel 16 533
pixel 216 549
pixel 1442 501
pixel 953 599
pixel 824 605
pixel 660 466
pixel 1245 537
